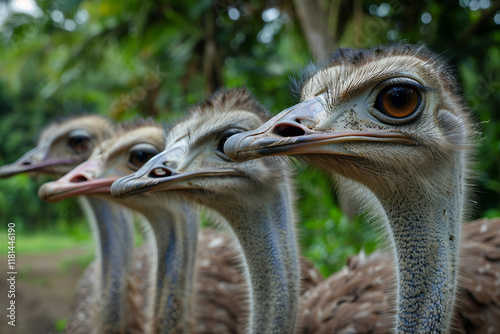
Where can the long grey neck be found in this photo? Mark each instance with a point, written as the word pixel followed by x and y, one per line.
pixel 267 236
pixel 175 228
pixel 114 234
pixel 426 232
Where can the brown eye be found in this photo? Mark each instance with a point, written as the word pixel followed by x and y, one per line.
pixel 80 144
pixel 139 157
pixel 398 101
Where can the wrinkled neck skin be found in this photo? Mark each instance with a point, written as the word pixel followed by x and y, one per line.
pixel 424 220
pixel 175 227
pixel 426 239
pixel 266 233
pixel 113 229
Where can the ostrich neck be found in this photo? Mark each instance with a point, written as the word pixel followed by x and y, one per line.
pixel 267 237
pixel 426 234
pixel 175 234
pixel 112 226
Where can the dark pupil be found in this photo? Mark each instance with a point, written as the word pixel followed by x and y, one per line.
pixel 80 144
pixel 226 136
pixel 139 158
pixel 222 142
pixel 399 96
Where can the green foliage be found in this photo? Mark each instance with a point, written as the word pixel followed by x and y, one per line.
pixel 46 243
pixel 83 260
pixel 60 325
pixel 152 58
pixel 328 237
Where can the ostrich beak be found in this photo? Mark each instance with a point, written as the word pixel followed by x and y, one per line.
pixel 293 131
pixel 35 160
pixel 156 176
pixel 83 180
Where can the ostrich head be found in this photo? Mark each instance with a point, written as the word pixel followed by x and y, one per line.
pixel 194 162
pixel 371 115
pixel 62 146
pixel 390 119
pixel 130 147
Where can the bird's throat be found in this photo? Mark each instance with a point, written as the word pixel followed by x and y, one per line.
pixel 426 238
pixel 113 229
pixel 267 237
pixel 175 234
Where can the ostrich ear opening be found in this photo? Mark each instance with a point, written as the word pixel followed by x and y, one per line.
pixel 454 128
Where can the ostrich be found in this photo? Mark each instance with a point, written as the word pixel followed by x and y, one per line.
pixel 254 198
pixel 174 228
pixel 97 304
pixel 389 125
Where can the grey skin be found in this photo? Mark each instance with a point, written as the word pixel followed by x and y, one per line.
pixel 255 198
pixel 413 156
pixel 61 147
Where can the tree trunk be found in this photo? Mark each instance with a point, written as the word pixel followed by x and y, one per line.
pixel 314 23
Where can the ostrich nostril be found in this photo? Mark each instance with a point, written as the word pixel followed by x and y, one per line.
pixel 78 178
pixel 160 172
pixel 26 163
pixel 288 130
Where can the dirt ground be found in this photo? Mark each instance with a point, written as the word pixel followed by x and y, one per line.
pixel 44 288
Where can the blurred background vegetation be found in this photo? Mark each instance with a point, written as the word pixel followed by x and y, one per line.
pixel 156 58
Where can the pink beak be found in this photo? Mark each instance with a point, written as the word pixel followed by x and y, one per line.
pixel 83 180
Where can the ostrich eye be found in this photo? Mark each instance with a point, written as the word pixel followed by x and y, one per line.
pixel 225 136
pixel 398 101
pixel 139 157
pixel 80 144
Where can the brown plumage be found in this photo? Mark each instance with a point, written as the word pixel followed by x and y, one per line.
pixel 219 305
pixel 478 295
pixel 358 299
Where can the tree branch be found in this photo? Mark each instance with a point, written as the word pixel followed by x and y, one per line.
pixel 473 29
